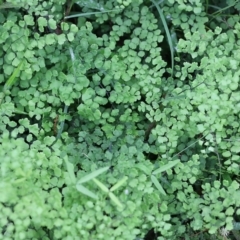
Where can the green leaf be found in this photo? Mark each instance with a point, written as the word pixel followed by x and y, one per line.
pixel 50 38
pixel 119 184
pixel 61 39
pixel 93 175
pixel 157 185
pixel 70 37
pixel 88 94
pixel 52 23
pixel 166 167
pixel 144 168
pixel 85 191
pixel 226 154
pixel 42 21
pixel 101 185
pixel 197 10
pixel 29 20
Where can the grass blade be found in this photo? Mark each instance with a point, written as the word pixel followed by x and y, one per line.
pixel 167 32
pixel 101 185
pixel 93 175
pixel 85 191
pixel 166 167
pixel 88 14
pixel 8 5
pixel 115 200
pixel 70 169
pixel 157 185
pixel 119 184
pixel 13 79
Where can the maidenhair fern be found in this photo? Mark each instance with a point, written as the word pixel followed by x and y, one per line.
pixel 119 119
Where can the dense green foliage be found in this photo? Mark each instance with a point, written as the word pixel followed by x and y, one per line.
pixel 119 119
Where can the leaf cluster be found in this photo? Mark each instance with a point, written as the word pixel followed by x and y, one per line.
pixel 119 118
